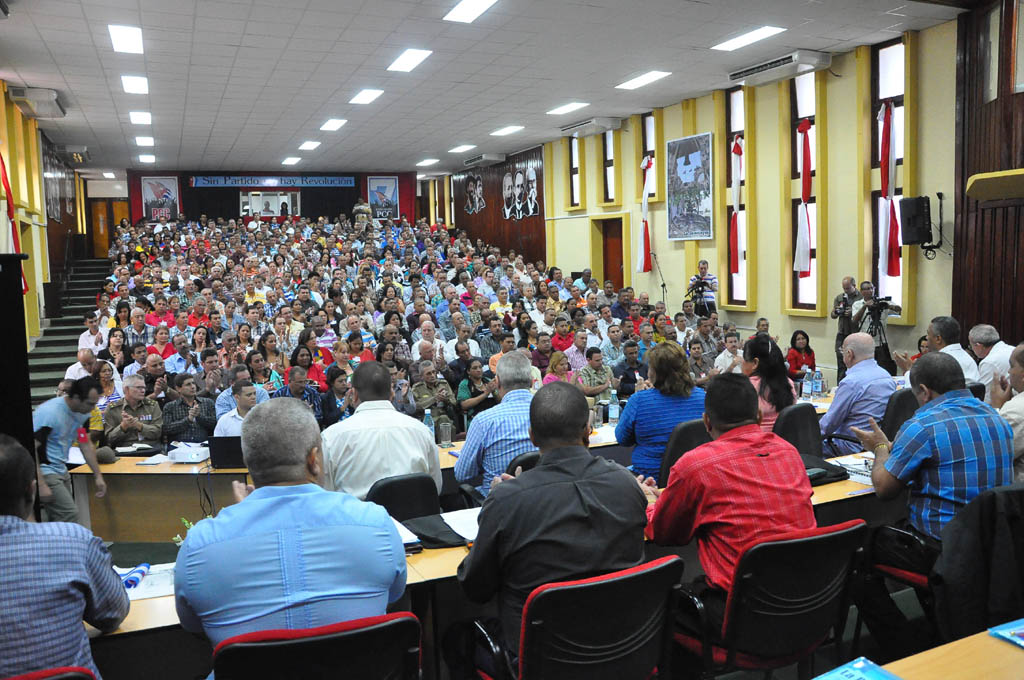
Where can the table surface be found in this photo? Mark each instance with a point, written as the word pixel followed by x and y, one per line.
pixel 130 466
pixel 977 656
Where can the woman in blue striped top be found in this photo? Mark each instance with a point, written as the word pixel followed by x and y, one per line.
pixel 668 397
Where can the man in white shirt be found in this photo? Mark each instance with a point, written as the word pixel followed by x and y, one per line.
pixel 84 367
pixel 376 441
pixel 429 337
pixel 594 335
pixel 993 353
pixel 230 424
pixel 944 336
pixel 463 333
pixel 1011 407
pixel 94 337
pixel 730 360
pixel 871 316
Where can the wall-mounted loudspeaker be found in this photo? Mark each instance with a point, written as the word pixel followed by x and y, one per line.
pixel 916 220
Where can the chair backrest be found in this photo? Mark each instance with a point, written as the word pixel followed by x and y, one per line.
pixel 899 409
pixel 798 425
pixel 685 437
pixel 790 590
pixel 63 673
pixel 378 647
pixel 406 496
pixel 527 461
pixel 616 626
pixel 977 389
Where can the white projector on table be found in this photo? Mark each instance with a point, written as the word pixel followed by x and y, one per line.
pixel 189 454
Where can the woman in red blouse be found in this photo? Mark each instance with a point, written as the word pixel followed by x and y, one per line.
pixel 800 354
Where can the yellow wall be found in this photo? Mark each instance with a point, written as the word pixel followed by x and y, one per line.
pixel 844 236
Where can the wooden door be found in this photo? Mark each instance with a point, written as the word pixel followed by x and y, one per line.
pixel 611 232
pixel 99 213
pixel 121 212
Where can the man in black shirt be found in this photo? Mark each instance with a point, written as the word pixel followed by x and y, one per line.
pixel 629 371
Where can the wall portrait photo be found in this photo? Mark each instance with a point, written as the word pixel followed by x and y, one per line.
pixel 690 194
pixel 474 188
pixel 160 198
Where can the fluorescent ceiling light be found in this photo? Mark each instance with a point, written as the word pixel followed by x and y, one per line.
pixel 426 161
pixel 308 146
pixel 421 176
pixel 409 60
pixel 748 38
pixel 468 10
pixel 645 79
pixel 147 158
pixel 462 148
pixel 567 108
pixel 135 84
pixel 108 175
pixel 140 117
pixel 144 141
pixel 506 130
pixel 365 96
pixel 291 160
pixel 333 124
pixel 126 38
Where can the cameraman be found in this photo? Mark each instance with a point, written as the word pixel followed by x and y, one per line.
pixel 871 315
pixel 707 285
pixel 842 309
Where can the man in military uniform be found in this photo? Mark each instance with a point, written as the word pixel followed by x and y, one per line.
pixel 435 394
pixel 135 419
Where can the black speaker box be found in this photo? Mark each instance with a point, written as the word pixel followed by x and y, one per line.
pixel 916 220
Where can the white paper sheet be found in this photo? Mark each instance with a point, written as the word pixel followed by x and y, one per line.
pixel 159 582
pixel 408 538
pixel 463 522
pixel 75 456
pixel 154 460
pixel 857 465
pixel 603 435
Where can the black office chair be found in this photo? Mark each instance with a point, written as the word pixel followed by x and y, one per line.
pixel 378 647
pixel 788 592
pixel 685 437
pixel 900 408
pixel 526 461
pixel 977 389
pixel 62 673
pixel 612 627
pixel 406 496
pixel 798 425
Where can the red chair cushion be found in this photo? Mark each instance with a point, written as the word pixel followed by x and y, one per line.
pixel 298 633
pixel 50 672
pixel 742 660
pixel 914 578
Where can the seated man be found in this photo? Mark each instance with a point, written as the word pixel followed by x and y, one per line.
pixel 1011 408
pixel 993 355
pixel 630 370
pixel 136 419
pixel 376 441
pixel 230 424
pixel 952 449
pixel 433 394
pixel 43 608
pixel 862 394
pixel 572 516
pixel 310 557
pixel 744 485
pixel 502 432
pixel 298 387
pixel 226 400
pixel 190 418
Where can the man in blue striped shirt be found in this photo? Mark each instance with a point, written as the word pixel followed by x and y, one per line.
pixel 501 433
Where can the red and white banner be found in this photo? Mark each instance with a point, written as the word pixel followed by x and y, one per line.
pixel 643 245
pixel 735 245
pixel 12 224
pixel 889 225
pixel 802 251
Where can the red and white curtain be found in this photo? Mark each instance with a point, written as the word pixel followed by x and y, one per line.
pixel 889 226
pixel 643 245
pixel 802 251
pixel 8 223
pixel 736 245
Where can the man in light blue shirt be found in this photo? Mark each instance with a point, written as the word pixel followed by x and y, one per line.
pixel 861 395
pixel 226 400
pixel 500 433
pixel 288 554
pixel 183 360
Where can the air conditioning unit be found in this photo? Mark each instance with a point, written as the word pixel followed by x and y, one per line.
pixel 594 126
pixel 483 160
pixel 37 102
pixel 793 64
pixel 73 155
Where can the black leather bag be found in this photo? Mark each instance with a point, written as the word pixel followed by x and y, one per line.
pixel 433 532
pixel 833 472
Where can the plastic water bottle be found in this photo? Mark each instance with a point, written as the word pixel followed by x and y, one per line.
pixel 805 387
pixel 816 389
pixel 613 409
pixel 428 420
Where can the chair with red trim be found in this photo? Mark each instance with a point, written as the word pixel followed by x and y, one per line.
pixel 63 673
pixel 612 627
pixel 788 592
pixel 385 647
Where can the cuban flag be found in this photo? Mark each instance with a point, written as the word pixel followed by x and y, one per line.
pixel 643 246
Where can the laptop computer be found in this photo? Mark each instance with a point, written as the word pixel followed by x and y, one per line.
pixel 226 452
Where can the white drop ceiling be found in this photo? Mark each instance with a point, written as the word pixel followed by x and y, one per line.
pixel 238 85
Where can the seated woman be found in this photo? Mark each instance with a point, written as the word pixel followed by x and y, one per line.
pixel 342 358
pixel 668 397
pixel 260 373
pixel 336 402
pixel 355 349
pixel 558 369
pixel 476 394
pixel 267 346
pixel 301 356
pixel 799 355
pixel 321 355
pixel 110 391
pixel 115 352
pixel 767 370
pixel 161 343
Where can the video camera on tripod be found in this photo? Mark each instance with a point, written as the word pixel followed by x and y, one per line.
pixel 876 307
pixel 695 294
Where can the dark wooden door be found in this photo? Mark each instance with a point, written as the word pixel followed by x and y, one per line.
pixel 611 232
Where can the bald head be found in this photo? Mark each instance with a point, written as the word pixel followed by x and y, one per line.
pixel 858 347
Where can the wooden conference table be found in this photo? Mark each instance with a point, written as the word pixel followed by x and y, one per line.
pixel 976 656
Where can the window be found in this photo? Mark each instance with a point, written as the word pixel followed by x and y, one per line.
pixel 649 136
pixel 805 290
pixel 608 154
pixel 989 46
pixel 737 283
pixel 887 285
pixel 887 85
pixel 451 200
pixel 734 117
pixel 574 171
pixel 801 93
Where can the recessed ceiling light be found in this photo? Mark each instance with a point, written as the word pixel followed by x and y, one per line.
pixel 308 146
pixel 462 148
pixel 468 10
pixel 135 84
pixel 147 158
pixel 108 175
pixel 365 96
pixel 126 38
pixel 291 160
pixel 645 79
pixel 140 117
pixel 506 130
pixel 421 176
pixel 748 38
pixel 409 60
pixel 333 124
pixel 567 108
pixel 427 161
pixel 144 141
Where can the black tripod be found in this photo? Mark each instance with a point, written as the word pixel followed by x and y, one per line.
pixel 695 294
pixel 876 329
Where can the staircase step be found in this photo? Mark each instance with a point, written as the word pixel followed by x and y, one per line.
pixel 41 394
pixel 48 379
pixel 69 344
pixel 50 364
pixel 69 320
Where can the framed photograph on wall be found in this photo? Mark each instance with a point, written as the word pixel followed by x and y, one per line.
pixel 689 188
pixel 383 194
pixel 160 198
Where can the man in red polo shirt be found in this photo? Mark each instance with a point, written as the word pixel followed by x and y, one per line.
pixel 745 486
